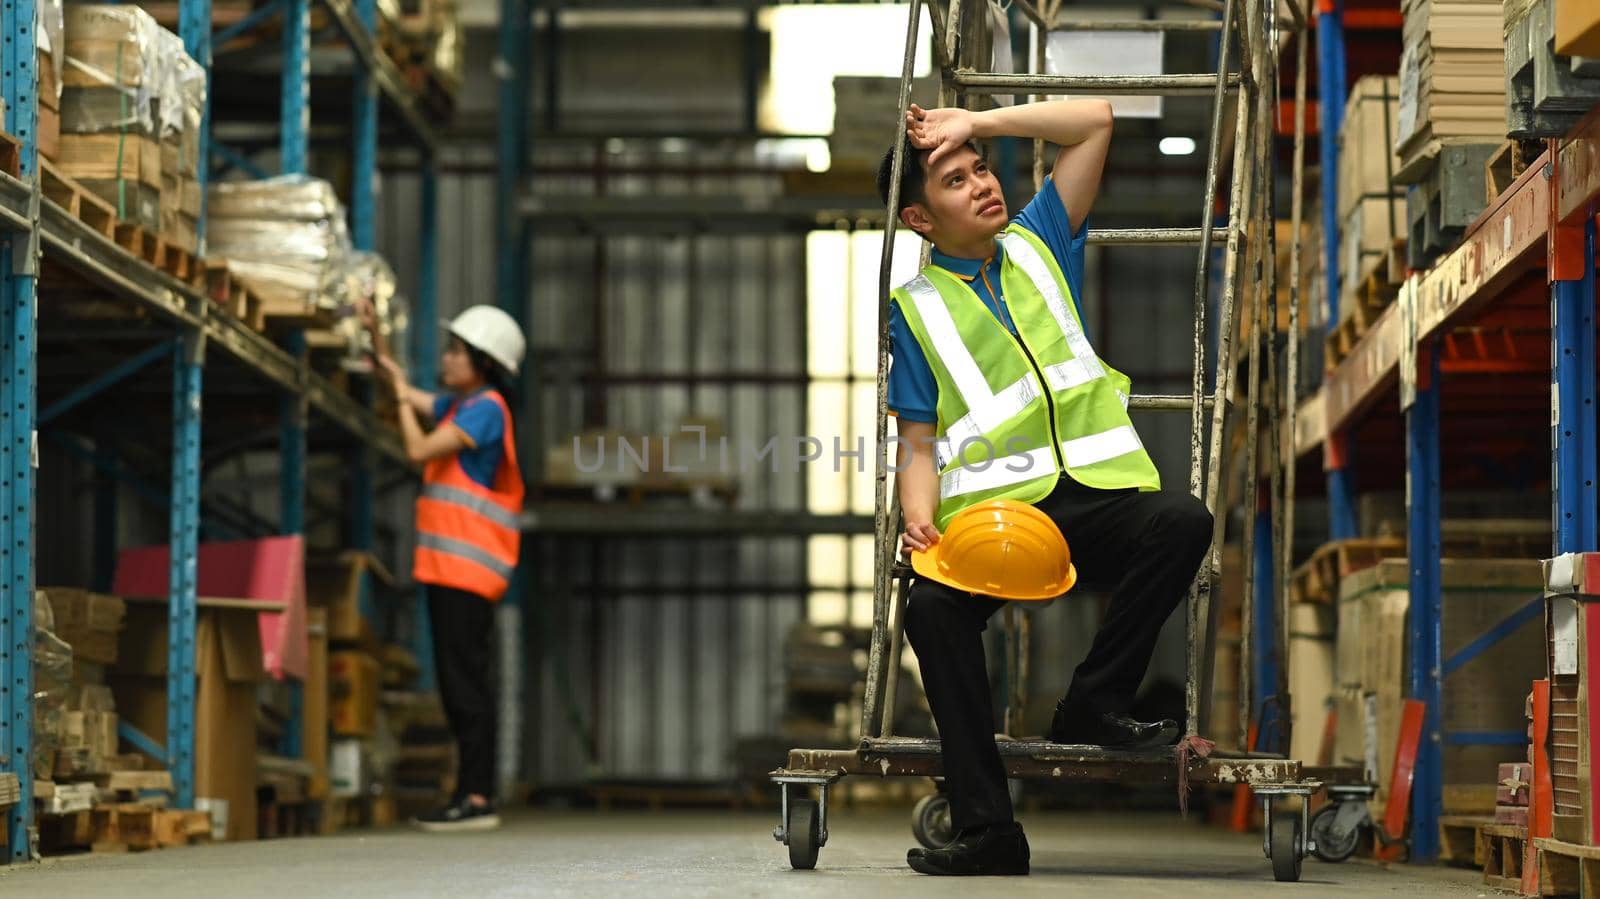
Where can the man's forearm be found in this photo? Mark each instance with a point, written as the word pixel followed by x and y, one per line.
pixel 918 483
pixel 1061 122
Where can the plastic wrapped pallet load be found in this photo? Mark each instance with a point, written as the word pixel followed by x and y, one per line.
pixel 180 107
pixel 111 78
pixel 50 43
pixel 283 238
pixel 362 276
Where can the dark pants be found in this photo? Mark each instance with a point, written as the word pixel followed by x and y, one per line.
pixel 1147 544
pixel 462 623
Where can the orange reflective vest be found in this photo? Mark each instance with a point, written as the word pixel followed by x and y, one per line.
pixel 468 534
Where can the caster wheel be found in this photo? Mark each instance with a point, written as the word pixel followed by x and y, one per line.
pixel 1285 847
pixel 1332 844
pixel 930 821
pixel 805 834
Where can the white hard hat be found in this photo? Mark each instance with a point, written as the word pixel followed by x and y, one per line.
pixel 492 331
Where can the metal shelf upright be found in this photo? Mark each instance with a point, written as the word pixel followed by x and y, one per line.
pixel 19 270
pixel 1544 220
pixel 33 227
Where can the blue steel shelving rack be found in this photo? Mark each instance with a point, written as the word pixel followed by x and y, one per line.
pixel 1545 219
pixel 30 227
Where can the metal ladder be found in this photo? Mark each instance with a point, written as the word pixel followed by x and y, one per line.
pixel 1247 76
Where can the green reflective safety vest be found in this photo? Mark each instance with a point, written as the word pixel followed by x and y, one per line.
pixel 1015 412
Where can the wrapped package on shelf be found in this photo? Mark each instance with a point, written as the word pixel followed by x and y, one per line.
pixel 283 238
pixel 49 37
pixel 367 276
pixel 111 80
pixel 52 682
pixel 445 56
pixel 180 105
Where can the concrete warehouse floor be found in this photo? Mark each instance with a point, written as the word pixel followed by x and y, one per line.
pixel 540 853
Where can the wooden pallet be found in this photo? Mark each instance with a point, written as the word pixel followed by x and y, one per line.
pixel 66 832
pixel 181 827
pixel 356 811
pixel 1460 840
pixel 1507 165
pixel 127 827
pixel 1377 285
pixel 11 155
pixel 79 203
pixel 1317 579
pixel 1500 855
pixel 1567 869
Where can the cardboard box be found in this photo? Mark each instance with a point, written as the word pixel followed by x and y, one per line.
pixel 74 608
pixel 88 622
pixel 49 128
pixel 354 682
pixel 314 705
pixel 228 666
pixel 269 572
pixel 1371 125
pixel 91 730
pixel 1366 234
pixel 1312 688
pixel 1312 619
pixel 1484 693
pixel 336 585
pixel 1577 28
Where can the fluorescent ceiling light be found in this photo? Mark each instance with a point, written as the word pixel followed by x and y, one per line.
pixel 1177 146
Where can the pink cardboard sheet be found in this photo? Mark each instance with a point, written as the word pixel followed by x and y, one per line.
pixel 271 569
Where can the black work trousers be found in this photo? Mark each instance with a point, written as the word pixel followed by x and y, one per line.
pixel 462 623
pixel 1148 544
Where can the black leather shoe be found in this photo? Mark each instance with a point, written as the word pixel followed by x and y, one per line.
pixel 999 849
pixel 1110 730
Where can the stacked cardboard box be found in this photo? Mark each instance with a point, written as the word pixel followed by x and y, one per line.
pixel 131 109
pixel 1372 209
pixel 1452 79
pixel 89 622
pixel 1512 793
pixel 1312 685
pixel 182 108
pixel 1483 692
pixel 52 24
pixel 110 87
pixel 228 666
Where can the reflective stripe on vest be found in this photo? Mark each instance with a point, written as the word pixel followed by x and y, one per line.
pixel 484 506
pixel 1027 258
pixel 465 550
pixel 1003 471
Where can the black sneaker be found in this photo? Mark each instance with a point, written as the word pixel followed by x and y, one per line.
pixel 999 849
pixel 1075 727
pixel 463 815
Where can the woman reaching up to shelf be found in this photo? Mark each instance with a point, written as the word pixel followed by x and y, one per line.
pixel 468 532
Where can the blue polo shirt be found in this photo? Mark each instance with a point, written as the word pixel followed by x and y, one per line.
pixel 913 392
pixel 484 424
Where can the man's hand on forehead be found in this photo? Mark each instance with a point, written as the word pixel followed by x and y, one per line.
pixel 941 130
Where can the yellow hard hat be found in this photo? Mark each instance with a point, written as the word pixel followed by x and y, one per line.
pixel 1000 548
